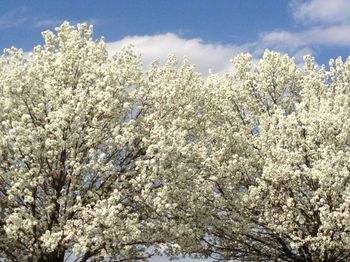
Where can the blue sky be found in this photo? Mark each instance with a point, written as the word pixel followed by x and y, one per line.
pixel 208 32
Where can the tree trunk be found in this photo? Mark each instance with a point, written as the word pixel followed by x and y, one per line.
pixel 55 256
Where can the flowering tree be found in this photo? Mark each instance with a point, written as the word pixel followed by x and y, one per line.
pixel 69 142
pixel 255 163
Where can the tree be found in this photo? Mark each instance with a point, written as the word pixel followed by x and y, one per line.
pixel 69 142
pixel 255 163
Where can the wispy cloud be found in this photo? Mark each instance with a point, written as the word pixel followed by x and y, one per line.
pixel 337 35
pixel 324 11
pixel 14 17
pixel 25 16
pixel 46 22
pixel 319 23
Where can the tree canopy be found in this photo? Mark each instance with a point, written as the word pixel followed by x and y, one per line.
pixel 103 158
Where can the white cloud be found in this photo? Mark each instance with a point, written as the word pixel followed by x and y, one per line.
pixel 325 11
pixel 321 23
pixel 213 56
pixel 337 35
pixel 204 55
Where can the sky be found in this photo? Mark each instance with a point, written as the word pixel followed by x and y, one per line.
pixel 209 33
